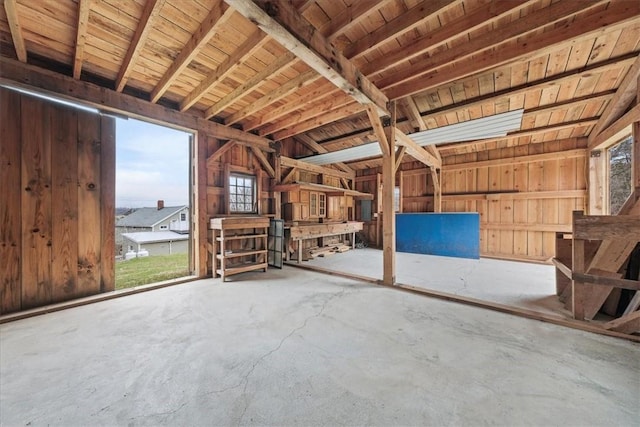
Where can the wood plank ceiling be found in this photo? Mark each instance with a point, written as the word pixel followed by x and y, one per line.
pixel 444 61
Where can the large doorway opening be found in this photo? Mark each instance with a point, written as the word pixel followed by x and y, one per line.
pixel 153 212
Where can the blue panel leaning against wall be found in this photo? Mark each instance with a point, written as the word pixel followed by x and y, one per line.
pixel 447 234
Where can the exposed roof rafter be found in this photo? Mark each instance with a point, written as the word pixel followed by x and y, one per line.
pixel 84 6
pixel 150 12
pixel 284 24
pixel 198 40
pixel 16 29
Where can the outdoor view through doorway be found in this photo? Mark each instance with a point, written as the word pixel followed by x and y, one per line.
pixel 152 227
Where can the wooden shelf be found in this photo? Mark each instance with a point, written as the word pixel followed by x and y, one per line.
pixel 241 253
pixel 229 271
pixel 240 237
pixel 242 232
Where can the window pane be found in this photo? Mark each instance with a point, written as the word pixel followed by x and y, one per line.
pixel 232 180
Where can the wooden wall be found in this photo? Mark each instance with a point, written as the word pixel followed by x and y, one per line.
pixel 56 202
pixel 524 194
pixel 221 158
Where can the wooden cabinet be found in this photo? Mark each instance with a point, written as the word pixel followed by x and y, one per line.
pixel 239 245
pixel 317 205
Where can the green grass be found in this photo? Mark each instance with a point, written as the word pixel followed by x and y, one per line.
pixel 142 271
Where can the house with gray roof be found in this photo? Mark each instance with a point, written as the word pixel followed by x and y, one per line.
pixel 153 219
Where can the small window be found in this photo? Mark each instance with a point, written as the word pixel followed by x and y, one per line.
pixel 242 193
pixel 164 227
pixel 620 160
pixel 183 216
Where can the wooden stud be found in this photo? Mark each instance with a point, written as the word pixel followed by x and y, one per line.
pixel 283 23
pixel 16 29
pixel 84 6
pixel 635 168
pixel 198 40
pixel 578 291
pixel 200 216
pixel 149 14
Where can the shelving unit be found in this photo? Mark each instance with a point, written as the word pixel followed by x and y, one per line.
pixel 239 245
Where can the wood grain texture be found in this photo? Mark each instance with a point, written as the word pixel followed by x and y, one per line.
pixel 36 203
pixel 89 211
pixel 10 202
pixel 64 204
pixel 107 202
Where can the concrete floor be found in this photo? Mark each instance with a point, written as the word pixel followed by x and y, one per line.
pixel 292 347
pixel 518 284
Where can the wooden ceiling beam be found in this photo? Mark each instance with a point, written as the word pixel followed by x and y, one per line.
pixel 319 149
pixel 198 40
pixel 398 26
pixel 250 84
pixel 284 24
pixel 289 87
pixel 264 162
pixel 84 6
pixel 413 114
pixel 485 42
pixel 616 16
pixel 378 129
pixel 150 12
pixel 548 82
pixel 624 96
pixel 310 111
pixel 16 29
pixel 316 122
pixel 317 94
pixel 416 151
pixel 439 37
pixel 353 15
pixel 300 164
pixel 254 42
pixel 14 73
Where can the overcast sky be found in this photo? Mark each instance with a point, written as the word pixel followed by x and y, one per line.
pixel 152 163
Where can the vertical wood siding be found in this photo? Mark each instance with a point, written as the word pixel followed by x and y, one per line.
pixel 56 203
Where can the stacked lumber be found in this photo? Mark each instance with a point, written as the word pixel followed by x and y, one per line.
pixel 328 250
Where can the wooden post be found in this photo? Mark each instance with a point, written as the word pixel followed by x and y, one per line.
pixel 378 208
pixel 277 196
pixel 437 190
pixel 400 186
pixel 577 305
pixel 388 214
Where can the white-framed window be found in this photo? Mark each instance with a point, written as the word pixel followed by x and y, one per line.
pixel 242 193
pixel 183 216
